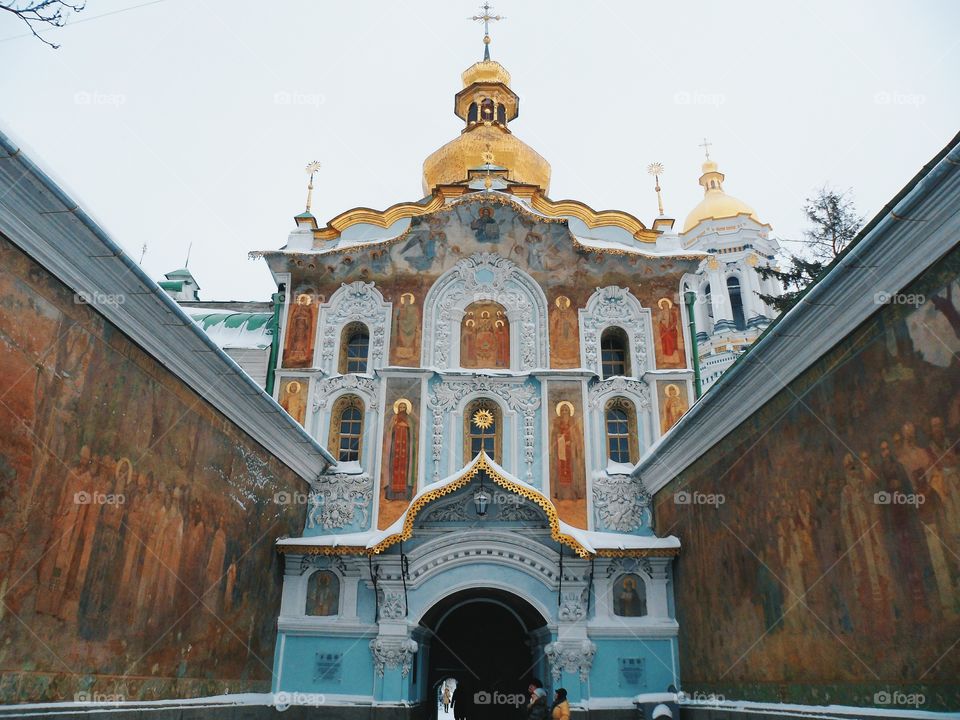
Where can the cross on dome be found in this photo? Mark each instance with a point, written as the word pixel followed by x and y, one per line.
pixel 485 18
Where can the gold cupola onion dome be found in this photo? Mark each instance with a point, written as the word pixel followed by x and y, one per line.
pixel 486 104
pixel 716 204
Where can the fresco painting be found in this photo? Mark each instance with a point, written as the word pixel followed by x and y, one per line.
pixel 857 516
pixel 564 334
pixel 293 397
pixel 399 464
pixel 668 335
pixel 405 338
pixel 485 336
pixel 301 329
pixel 137 522
pixel 323 594
pixel 674 402
pixel 568 480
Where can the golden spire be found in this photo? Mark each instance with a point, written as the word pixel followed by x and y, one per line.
pixel 485 19
pixel 656 169
pixel 312 169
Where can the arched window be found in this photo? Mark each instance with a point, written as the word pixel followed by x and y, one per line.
pixel 708 303
pixel 354 348
pixel 481 429
pixel 346 429
pixel 487 110
pixel 621 426
pixel 736 302
pixel 485 336
pixel 629 596
pixel 502 114
pixel 614 359
pixel 323 594
pixel 472 113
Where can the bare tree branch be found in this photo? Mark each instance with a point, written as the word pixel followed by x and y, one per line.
pixel 53 13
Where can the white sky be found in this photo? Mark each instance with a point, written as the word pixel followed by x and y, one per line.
pixel 163 120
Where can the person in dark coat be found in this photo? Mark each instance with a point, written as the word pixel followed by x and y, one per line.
pixel 537 707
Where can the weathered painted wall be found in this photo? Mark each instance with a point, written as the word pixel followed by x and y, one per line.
pixel 822 538
pixel 136 522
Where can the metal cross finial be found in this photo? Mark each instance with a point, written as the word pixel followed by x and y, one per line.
pixel 311 169
pixel 656 169
pixel 485 18
pixel 706 147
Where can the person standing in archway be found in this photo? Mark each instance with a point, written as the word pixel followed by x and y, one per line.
pixel 537 708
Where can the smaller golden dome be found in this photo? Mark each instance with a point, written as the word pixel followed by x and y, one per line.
pixel 716 203
pixel 485 71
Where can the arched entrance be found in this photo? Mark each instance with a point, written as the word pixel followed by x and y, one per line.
pixel 483 639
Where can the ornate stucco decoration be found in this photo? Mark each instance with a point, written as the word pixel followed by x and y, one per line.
pixel 393 606
pixel 620 503
pixel 364 386
pixel 393 653
pixel 609 306
pixel 358 301
pixel 454 511
pixel 572 657
pixel 339 500
pixel 521 398
pixel 636 389
pixel 573 606
pixel 485 276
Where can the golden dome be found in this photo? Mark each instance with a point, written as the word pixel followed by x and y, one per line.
pixel 716 203
pixel 485 71
pixel 451 162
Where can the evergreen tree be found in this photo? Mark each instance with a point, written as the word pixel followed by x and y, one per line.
pixel 834 223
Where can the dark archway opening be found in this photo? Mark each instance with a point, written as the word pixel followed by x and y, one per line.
pixel 482 640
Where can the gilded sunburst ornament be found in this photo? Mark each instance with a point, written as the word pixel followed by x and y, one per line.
pixel 483 419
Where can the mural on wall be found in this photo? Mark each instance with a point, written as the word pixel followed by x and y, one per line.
pixel 323 594
pixel 137 523
pixel 838 532
pixel 674 402
pixel 301 329
pixel 542 247
pixel 668 335
pixel 293 397
pixel 564 334
pixel 400 461
pixel 629 596
pixel 485 336
pixel 405 337
pixel 568 482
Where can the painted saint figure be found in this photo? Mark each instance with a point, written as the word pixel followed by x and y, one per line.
pixel 485 227
pixel 400 486
pixel 566 454
pixel 668 334
pixel 629 597
pixel 406 335
pixel 485 336
pixel 299 351
pixel 564 336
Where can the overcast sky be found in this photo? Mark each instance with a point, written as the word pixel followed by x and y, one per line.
pixel 174 122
